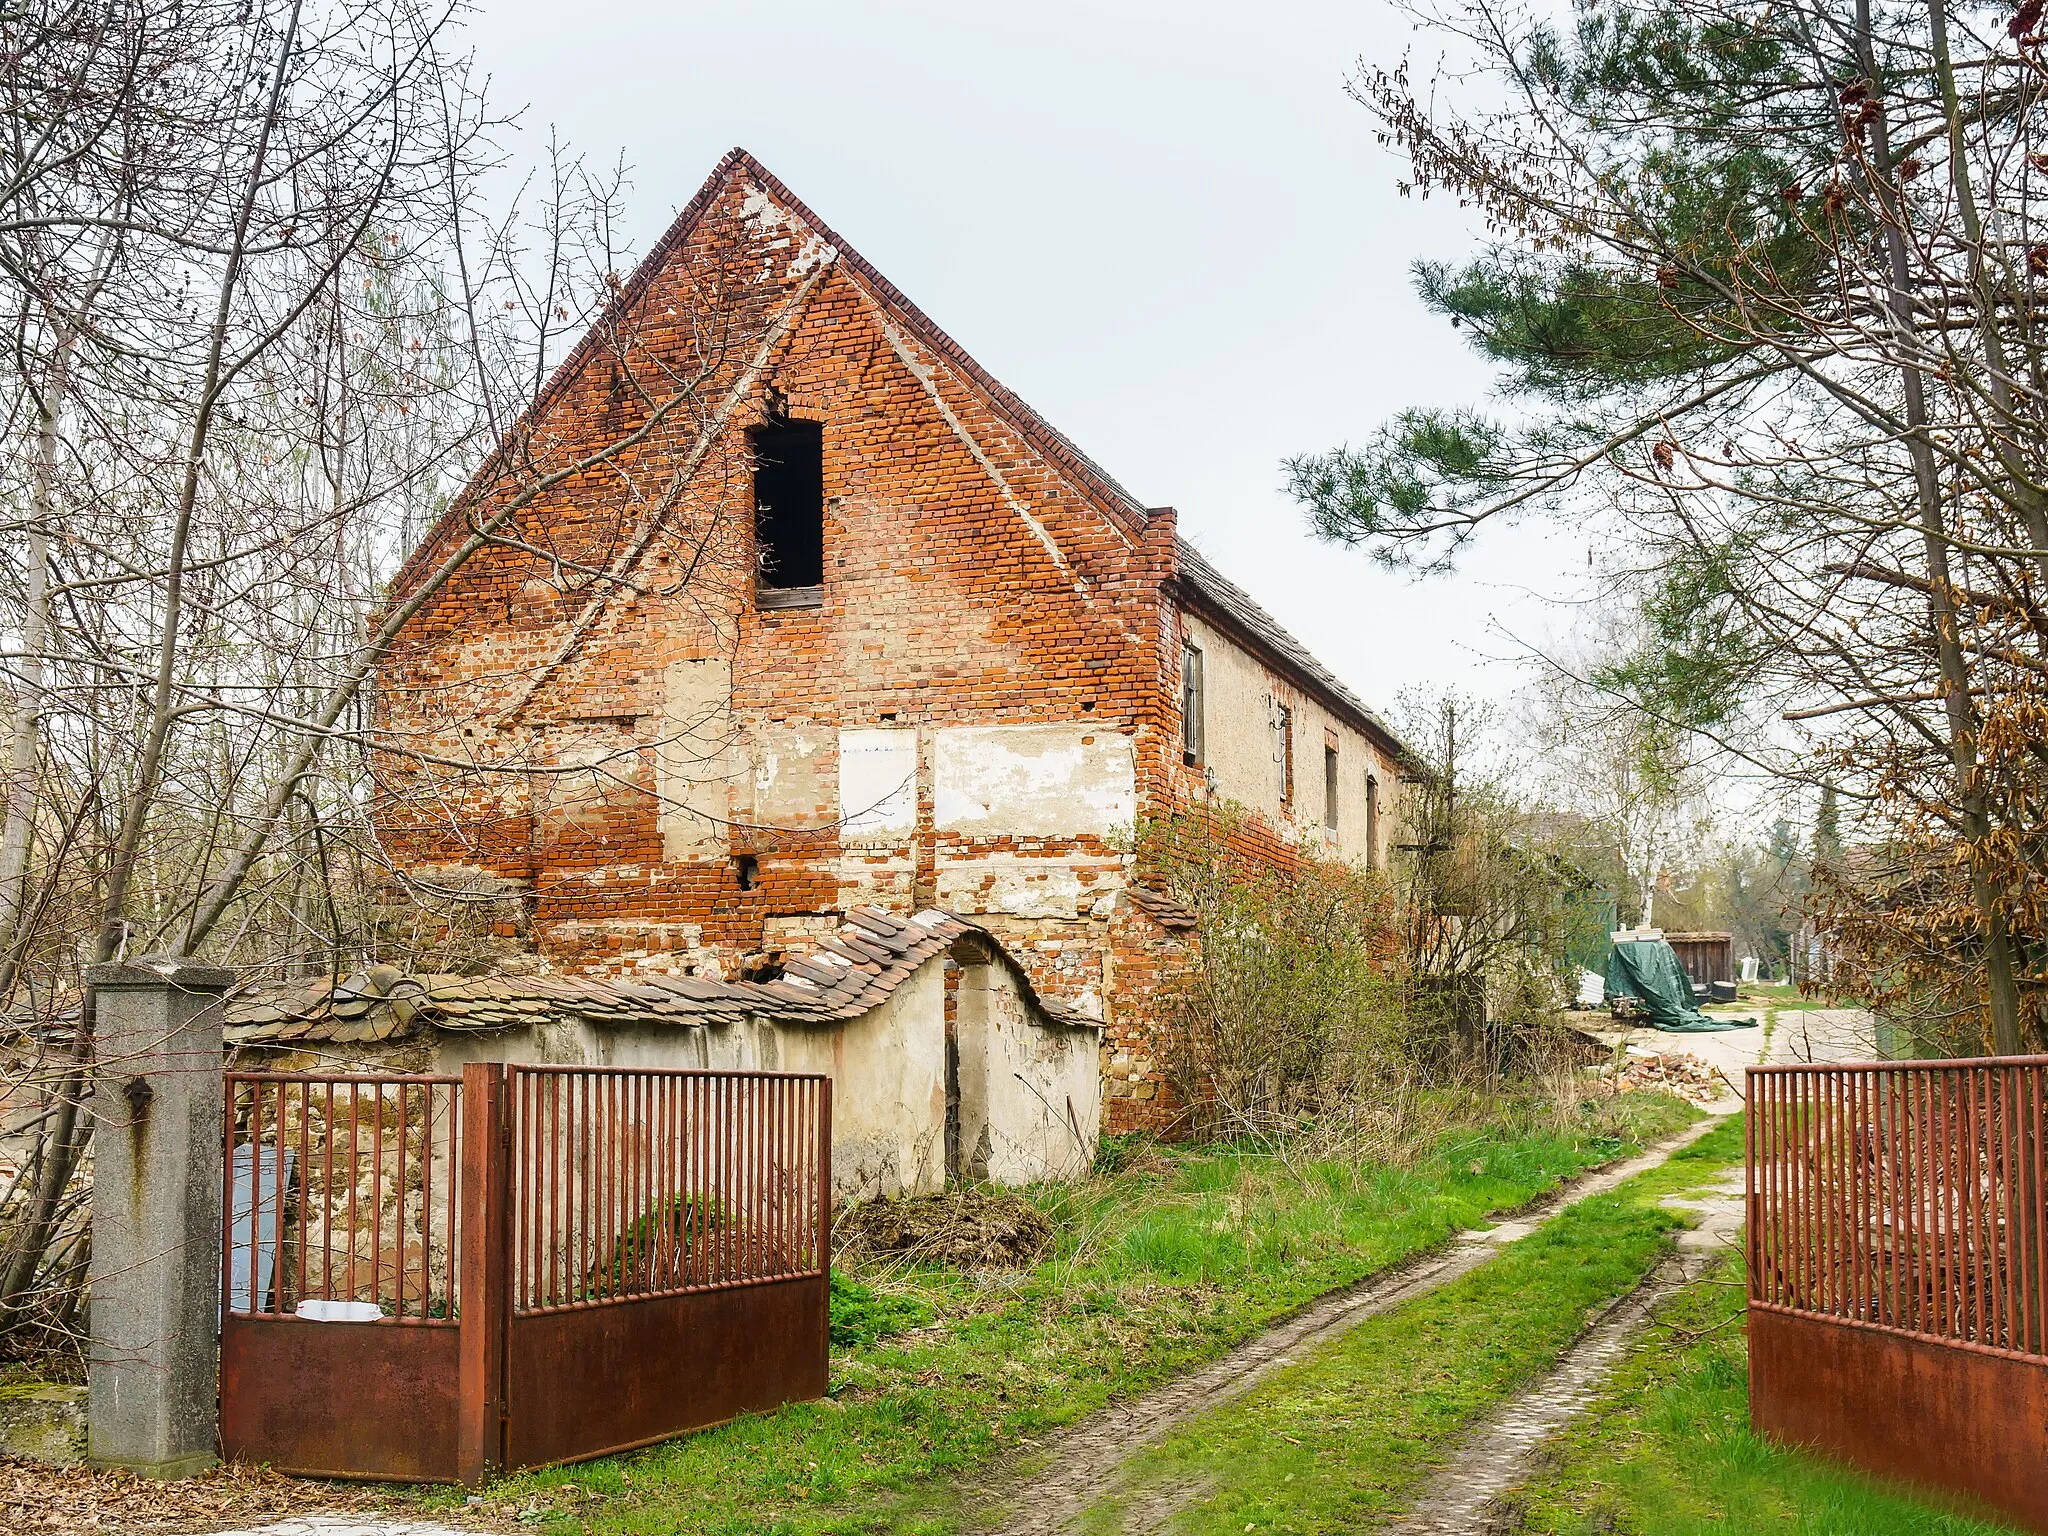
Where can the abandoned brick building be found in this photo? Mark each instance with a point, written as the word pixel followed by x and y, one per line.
pixel 784 607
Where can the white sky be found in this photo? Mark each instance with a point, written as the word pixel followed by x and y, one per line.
pixel 1166 226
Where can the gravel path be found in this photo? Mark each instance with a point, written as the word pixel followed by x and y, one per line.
pixel 1081 1464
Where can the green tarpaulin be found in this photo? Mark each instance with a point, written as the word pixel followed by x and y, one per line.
pixel 1649 971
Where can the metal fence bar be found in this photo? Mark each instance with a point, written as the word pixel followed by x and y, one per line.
pixel 630 1183
pixel 2039 1211
pixel 315 1214
pixel 1909 1196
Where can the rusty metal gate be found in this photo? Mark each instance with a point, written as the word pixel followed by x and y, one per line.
pixel 1898 1270
pixel 430 1278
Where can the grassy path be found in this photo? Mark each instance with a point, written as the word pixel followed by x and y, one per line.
pixel 1469 1494
pixel 1666 1450
pixel 1160 1267
pixel 1343 1441
pixel 1083 1466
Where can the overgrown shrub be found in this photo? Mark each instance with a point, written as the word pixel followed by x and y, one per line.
pixel 1289 993
pixel 1312 989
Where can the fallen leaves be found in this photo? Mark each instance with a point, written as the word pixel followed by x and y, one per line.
pixel 37 1500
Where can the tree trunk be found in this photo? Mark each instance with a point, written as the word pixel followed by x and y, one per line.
pixel 2001 984
pixel 24 741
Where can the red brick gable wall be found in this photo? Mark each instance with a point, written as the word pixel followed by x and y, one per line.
pixel 971 579
pixel 598 714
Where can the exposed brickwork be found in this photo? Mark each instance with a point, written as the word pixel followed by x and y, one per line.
pixel 662 750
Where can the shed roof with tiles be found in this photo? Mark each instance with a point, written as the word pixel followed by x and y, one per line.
pixel 873 953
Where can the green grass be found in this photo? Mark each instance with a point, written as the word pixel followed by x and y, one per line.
pixel 1158 1266
pixel 862 1315
pixel 1339 1442
pixel 1666 1450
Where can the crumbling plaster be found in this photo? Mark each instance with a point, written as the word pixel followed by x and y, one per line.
pixel 1030 1094
pixel 1030 1086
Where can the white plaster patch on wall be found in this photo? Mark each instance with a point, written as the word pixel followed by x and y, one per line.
pixel 789 768
pixel 696 758
pixel 877 784
pixel 1013 887
pixel 762 211
pixel 765 214
pixel 1034 780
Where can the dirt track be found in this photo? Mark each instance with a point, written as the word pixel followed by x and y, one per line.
pixel 1080 1465
pixel 1499 1453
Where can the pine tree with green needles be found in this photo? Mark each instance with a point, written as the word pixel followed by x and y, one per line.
pixel 1763 287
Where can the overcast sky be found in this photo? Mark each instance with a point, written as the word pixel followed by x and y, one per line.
pixel 1166 226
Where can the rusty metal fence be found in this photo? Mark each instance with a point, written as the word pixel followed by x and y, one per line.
pixel 636 1183
pixel 1898 1270
pixel 428 1278
pixel 341 1189
pixel 666 1246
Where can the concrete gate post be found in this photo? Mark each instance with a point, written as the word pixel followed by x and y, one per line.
pixel 152 1401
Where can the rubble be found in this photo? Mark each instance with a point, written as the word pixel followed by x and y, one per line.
pixel 1673 1072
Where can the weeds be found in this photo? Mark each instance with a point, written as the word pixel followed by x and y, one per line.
pixel 862 1316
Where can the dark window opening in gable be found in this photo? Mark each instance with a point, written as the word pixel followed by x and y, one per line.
pixel 1330 787
pixel 789 503
pixel 1190 704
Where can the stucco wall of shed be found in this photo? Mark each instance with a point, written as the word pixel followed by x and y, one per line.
pixel 1031 1086
pixel 888 1071
pixel 1030 1094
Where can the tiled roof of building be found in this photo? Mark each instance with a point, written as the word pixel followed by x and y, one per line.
pixel 1244 613
pixel 1169 912
pixel 872 955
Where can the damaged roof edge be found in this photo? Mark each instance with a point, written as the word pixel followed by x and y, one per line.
pixel 1007 404
pixel 1224 600
pixel 846 976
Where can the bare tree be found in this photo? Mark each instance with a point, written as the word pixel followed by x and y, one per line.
pixel 270 325
pixel 1489 908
